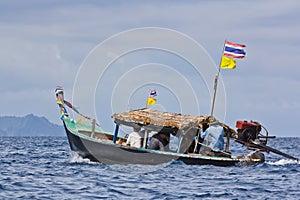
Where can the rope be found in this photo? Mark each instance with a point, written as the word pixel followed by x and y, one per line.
pixel 77 111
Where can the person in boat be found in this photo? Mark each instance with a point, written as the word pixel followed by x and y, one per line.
pixel 197 140
pixel 160 141
pixel 213 138
pixel 135 138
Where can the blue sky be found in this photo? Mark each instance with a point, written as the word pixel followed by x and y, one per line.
pixel 43 44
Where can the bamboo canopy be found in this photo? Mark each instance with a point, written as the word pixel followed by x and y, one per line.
pixel 159 118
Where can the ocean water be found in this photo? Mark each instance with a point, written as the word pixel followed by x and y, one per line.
pixel 44 168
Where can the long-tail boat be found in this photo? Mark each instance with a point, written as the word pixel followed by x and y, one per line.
pixel 91 142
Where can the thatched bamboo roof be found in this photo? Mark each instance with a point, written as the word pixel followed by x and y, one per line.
pixel 159 118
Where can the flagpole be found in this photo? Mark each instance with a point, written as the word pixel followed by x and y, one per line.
pixel 216 83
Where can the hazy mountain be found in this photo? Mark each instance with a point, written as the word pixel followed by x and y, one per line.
pixel 30 125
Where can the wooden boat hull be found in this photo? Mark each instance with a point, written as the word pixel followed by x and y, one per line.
pixel 107 152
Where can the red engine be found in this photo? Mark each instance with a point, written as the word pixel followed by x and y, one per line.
pixel 248 131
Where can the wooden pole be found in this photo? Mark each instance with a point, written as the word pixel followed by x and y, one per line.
pixel 216 84
pixel 93 128
pixel 145 139
pixel 215 93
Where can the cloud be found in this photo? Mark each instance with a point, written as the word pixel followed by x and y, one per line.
pixel 44 44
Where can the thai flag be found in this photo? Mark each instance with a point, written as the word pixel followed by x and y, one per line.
pixel 233 50
pixel 152 94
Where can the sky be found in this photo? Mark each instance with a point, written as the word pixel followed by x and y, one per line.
pixel 46 43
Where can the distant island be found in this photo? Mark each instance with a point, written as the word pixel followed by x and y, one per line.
pixel 29 125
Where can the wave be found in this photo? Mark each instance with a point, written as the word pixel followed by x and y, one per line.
pixel 285 162
pixel 76 158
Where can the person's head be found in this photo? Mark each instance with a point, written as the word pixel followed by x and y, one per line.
pixel 213 121
pixel 136 128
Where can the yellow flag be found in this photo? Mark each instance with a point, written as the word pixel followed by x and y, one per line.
pixel 227 63
pixel 151 101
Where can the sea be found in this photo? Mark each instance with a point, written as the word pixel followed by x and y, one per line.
pixel 45 168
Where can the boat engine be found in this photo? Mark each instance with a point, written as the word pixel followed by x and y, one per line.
pixel 248 131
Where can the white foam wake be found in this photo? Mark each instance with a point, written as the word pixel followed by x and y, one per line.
pixel 76 158
pixel 284 162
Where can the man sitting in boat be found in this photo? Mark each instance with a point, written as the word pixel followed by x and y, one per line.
pixel 213 138
pixel 135 139
pixel 160 141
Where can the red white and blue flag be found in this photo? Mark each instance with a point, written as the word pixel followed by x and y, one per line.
pixel 152 94
pixel 233 50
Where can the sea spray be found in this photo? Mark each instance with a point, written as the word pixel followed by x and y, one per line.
pixel 284 162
